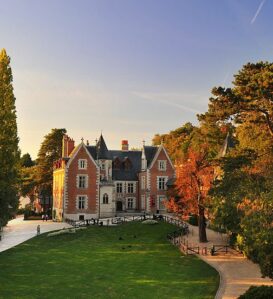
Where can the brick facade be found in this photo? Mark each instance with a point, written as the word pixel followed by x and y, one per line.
pixel 93 182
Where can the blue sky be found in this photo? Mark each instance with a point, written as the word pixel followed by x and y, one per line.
pixel 131 68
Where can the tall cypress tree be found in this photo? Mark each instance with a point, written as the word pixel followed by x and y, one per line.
pixel 9 152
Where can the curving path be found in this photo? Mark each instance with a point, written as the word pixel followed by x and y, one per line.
pixel 237 273
pixel 18 231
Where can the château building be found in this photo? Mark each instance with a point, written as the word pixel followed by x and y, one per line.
pixel 94 182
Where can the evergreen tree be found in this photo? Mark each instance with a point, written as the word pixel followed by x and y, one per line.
pixel 9 152
pixel 26 161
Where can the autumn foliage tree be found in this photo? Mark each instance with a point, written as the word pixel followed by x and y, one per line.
pixel 194 178
pixel 177 141
pixel 241 200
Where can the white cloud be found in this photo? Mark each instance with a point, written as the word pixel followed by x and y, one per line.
pixel 258 12
pixel 170 99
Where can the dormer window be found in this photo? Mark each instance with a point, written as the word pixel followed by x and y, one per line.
pixel 116 163
pixel 82 164
pixel 127 164
pixel 162 165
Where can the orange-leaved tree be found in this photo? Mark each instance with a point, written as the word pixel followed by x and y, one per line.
pixel 194 177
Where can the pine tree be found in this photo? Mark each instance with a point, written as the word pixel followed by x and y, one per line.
pixel 9 152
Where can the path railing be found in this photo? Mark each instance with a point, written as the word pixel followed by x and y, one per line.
pixel 107 221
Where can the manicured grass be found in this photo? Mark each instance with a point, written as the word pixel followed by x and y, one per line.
pixel 94 263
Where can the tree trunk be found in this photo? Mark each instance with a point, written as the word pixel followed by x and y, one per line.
pixel 202 225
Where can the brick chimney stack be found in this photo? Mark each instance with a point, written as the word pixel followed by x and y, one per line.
pixel 68 146
pixel 124 145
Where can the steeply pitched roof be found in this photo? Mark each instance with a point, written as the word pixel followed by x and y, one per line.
pixel 122 173
pixel 150 152
pixel 102 150
pixel 93 151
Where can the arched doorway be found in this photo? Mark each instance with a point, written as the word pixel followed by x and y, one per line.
pixel 119 206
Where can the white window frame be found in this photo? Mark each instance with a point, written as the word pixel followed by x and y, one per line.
pixel 162 165
pixel 81 202
pixel 131 203
pixel 119 188
pixel 82 164
pixel 159 182
pixel 82 183
pixel 130 188
pixel 105 199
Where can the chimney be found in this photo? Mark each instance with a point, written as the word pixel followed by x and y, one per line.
pixel 124 145
pixel 68 146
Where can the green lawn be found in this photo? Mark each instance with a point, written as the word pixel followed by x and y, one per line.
pixel 94 263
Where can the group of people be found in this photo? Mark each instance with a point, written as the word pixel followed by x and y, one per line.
pixel 45 217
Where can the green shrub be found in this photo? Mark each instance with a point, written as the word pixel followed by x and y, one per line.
pixel 262 292
pixel 267 265
pixel 149 221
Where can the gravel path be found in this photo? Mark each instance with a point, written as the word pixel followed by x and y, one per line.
pixel 237 273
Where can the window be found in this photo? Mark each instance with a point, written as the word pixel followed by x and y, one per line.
pixel 116 163
pixel 130 187
pixel 82 163
pixel 127 164
pixel 162 165
pixel 130 203
pixel 105 198
pixel 119 187
pixel 142 202
pixel 161 183
pixel 102 166
pixel 81 202
pixel 161 205
pixel 82 181
pixel 143 182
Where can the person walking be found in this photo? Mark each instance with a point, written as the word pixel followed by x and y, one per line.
pixel 38 229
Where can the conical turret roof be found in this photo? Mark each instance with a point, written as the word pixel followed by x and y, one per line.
pixel 102 150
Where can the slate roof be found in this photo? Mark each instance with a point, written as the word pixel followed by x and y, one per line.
pixel 150 152
pixel 99 151
pixel 93 151
pixel 123 174
pixel 102 149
